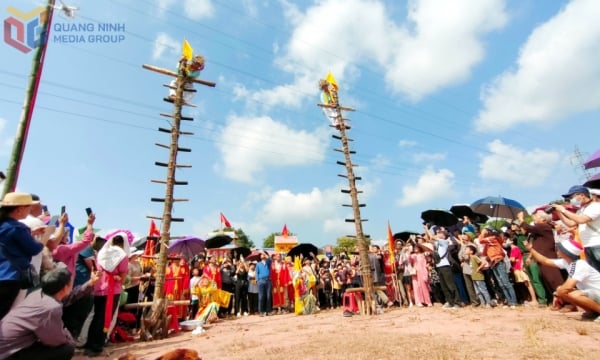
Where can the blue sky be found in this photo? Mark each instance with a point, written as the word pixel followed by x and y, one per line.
pixel 454 101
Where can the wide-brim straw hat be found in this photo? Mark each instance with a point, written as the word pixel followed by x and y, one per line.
pixel 426 247
pixel 18 199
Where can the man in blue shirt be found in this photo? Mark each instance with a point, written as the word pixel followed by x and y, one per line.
pixel 265 288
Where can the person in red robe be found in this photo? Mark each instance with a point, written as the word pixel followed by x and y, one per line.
pixel 177 284
pixel 280 278
pixel 211 269
pixel 291 296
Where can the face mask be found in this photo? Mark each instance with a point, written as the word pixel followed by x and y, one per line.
pixel 575 201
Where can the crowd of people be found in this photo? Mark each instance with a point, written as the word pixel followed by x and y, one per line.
pixel 56 294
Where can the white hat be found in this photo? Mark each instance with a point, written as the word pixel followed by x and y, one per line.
pixel 595 192
pixel 35 223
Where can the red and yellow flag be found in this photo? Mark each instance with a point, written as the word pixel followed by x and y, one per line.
pixel 391 245
pixel 285 232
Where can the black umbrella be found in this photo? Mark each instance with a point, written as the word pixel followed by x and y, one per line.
pixel 217 241
pixel 240 251
pixel 439 217
pixel 465 210
pixel 404 235
pixel 304 249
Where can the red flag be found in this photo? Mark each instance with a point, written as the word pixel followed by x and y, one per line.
pixel 153 231
pixel 224 221
pixel 284 232
pixel 391 243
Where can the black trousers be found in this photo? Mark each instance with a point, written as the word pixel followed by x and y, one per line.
pixel 241 297
pixel 75 314
pixel 96 335
pixel 9 290
pixel 253 303
pixel 38 351
pixel 448 286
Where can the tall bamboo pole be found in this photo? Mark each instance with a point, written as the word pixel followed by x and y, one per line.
pixel 14 164
pixel 158 318
pixel 363 249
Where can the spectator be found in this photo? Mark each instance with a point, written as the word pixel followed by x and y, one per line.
pixel 241 288
pixel 442 247
pixel 587 220
pixel 263 277
pixel 477 264
pixel 542 235
pixel 67 253
pixel 34 329
pixel 495 253
pixel 582 287
pixel 252 289
pixel 17 246
pixel 112 262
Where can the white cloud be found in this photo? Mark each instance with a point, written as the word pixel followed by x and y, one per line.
pixel 407 143
pixel 431 185
pixel 6 141
pixel 163 43
pixel 428 157
pixel 557 73
pixel 249 145
pixel 408 52
pixel 443 32
pixel 513 165
pixel 194 9
pixel 198 9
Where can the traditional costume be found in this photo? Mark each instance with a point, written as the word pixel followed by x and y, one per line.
pixel 177 280
pixel 207 305
pixel 280 278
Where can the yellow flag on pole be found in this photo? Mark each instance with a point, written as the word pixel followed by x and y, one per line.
pixel 330 79
pixel 187 52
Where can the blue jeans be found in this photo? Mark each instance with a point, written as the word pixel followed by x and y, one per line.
pixel 502 276
pixel 482 292
pixel 265 296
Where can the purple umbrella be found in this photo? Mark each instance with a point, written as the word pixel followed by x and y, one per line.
pixel 593 161
pixel 593 182
pixel 188 246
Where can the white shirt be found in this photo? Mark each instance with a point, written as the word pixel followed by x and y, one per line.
pixel 586 276
pixel 590 237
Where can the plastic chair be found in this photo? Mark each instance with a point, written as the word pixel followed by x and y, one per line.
pixel 349 302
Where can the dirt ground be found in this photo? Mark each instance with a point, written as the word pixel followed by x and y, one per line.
pixel 399 333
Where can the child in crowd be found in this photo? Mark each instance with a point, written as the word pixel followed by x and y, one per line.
pixel 477 264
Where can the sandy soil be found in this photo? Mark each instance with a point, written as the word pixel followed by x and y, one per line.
pixel 399 333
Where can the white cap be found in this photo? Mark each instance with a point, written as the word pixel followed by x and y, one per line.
pixel 595 192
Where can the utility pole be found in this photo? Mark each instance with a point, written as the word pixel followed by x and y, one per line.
pixel 341 125
pixel 14 164
pixel 577 162
pixel 155 324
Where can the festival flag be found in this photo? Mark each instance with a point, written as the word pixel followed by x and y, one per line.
pixel 330 79
pixel 153 232
pixel 187 52
pixel 391 244
pixel 285 232
pixel 224 221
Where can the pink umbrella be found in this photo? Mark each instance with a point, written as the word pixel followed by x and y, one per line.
pixel 593 161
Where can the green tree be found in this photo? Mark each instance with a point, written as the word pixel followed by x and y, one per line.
pixel 269 241
pixel 345 244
